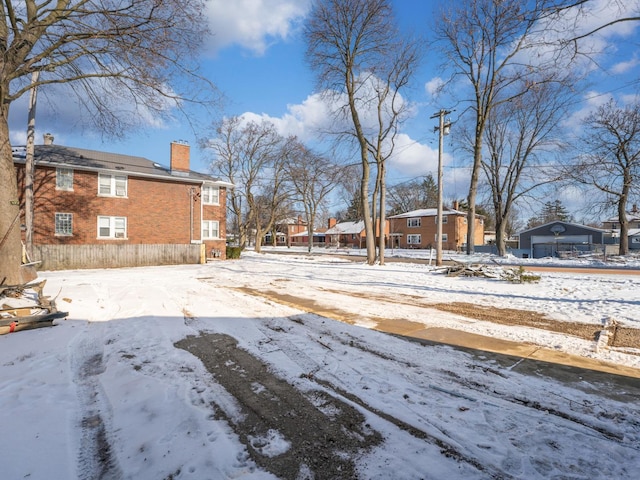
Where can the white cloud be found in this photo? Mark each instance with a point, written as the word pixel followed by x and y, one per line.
pixel 624 67
pixel 253 24
pixel 433 86
pixel 413 158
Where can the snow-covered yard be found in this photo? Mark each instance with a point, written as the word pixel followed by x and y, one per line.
pixel 181 372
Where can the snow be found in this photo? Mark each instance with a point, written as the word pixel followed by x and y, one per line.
pixel 110 375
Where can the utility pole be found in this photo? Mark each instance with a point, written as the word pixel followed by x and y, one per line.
pixel 29 167
pixel 442 129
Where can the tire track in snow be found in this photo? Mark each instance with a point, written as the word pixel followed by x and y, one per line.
pixel 95 453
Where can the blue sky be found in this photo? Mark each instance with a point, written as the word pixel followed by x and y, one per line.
pixel 256 58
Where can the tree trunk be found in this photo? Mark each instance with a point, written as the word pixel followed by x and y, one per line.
pixel 369 231
pixel 310 227
pixel 501 241
pixel 473 190
pixel 624 224
pixel 383 217
pixel 258 245
pixel 10 242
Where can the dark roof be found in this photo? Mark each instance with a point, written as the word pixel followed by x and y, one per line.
pixel 576 225
pixel 83 159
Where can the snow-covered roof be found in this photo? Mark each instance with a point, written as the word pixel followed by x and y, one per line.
pixel 631 217
pixel 343 228
pixel 428 212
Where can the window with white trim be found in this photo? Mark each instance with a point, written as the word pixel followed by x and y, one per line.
pixel 210 195
pixel 414 239
pixel 444 219
pixel 112 185
pixel 64 224
pixel 413 222
pixel 112 227
pixel 64 179
pixel 445 237
pixel 210 229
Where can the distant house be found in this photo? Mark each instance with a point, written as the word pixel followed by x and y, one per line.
pixel 285 230
pixel 560 238
pixel 417 229
pixel 302 239
pixel 92 198
pixel 351 234
pixel 346 234
pixel 633 219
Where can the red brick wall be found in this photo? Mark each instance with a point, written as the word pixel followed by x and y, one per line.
pixel 157 212
pixel 455 229
pixel 180 156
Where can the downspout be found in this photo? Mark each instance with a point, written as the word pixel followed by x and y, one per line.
pixel 190 215
pixel 202 212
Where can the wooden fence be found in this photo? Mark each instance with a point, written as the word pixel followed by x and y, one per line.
pixel 70 257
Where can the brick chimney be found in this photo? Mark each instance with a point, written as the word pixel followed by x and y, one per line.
pixel 180 156
pixel 48 139
pixel 332 222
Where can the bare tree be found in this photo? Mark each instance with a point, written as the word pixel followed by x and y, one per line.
pixel 313 178
pixel 519 136
pixel 487 43
pixel 102 49
pixel 251 156
pixel 359 54
pixel 413 195
pixel 611 158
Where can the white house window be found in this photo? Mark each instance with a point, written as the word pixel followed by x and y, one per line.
pixel 64 179
pixel 414 239
pixel 210 229
pixel 444 219
pixel 210 195
pixel 112 185
pixel 64 224
pixel 112 227
pixel 413 222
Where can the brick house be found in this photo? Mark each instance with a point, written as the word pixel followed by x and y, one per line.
pixel 87 197
pixel 350 234
pixel 417 229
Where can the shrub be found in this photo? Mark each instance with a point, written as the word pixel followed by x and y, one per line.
pixel 233 252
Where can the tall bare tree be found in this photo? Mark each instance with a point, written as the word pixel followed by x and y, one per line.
pixel 103 50
pixel 313 178
pixel 487 42
pixel 611 159
pixel 362 59
pixel 521 136
pixel 251 156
